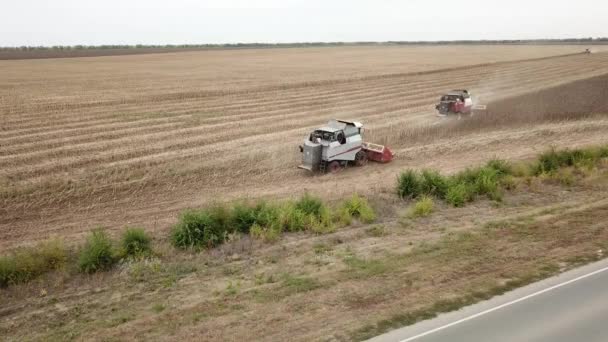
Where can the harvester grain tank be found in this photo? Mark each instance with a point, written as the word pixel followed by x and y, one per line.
pixel 340 143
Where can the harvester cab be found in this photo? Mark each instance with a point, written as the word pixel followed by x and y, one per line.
pixel 338 144
pixel 455 102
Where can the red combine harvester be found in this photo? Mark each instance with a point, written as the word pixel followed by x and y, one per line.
pixel 455 102
pixel 458 102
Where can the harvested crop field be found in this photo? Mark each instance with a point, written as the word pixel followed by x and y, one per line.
pixel 123 140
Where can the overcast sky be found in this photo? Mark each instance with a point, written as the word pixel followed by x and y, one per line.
pixel 88 22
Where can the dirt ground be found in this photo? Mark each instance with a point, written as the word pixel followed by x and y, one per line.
pixel 133 140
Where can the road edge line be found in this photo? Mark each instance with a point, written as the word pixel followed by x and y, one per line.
pixel 462 320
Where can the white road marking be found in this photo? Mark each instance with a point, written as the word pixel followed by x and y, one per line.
pixel 504 305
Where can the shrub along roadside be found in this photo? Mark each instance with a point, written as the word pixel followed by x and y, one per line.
pixel 496 175
pixel 204 228
pixel 135 243
pixel 356 207
pixel 208 227
pixel 97 254
pixel 458 189
pixel 552 160
pixel 27 263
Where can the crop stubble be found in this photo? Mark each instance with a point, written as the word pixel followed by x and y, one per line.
pixel 113 140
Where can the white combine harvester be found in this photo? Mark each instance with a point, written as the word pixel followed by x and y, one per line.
pixel 338 144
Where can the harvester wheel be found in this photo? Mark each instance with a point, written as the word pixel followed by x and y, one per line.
pixel 334 166
pixel 361 158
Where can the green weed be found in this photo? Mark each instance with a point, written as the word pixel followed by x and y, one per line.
pixel 267 234
pixel 423 207
pixel 458 194
pixel 27 263
pixel 97 254
pixel 502 167
pixel 356 207
pixel 309 205
pixel 244 216
pixel 432 183
pixel 135 243
pixel 409 184
pixel 202 228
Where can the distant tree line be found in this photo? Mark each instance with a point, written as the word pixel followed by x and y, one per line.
pixel 600 40
pixel 589 40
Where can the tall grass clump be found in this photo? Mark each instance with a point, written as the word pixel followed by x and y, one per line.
pixel 244 216
pixel 496 175
pixel 268 234
pixel 317 216
pixel 459 193
pixel 409 184
pixel 356 207
pixel 324 222
pixel 432 183
pixel 270 221
pixel 293 219
pixel 135 243
pixel 97 254
pixel 209 227
pixel 310 205
pixel 552 160
pixel 308 213
pixel 502 167
pixel 485 180
pixel 27 263
pixel 268 215
pixel 602 151
pixel 423 207
pixel 202 228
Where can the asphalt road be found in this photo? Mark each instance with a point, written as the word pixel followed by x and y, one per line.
pixel 570 307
